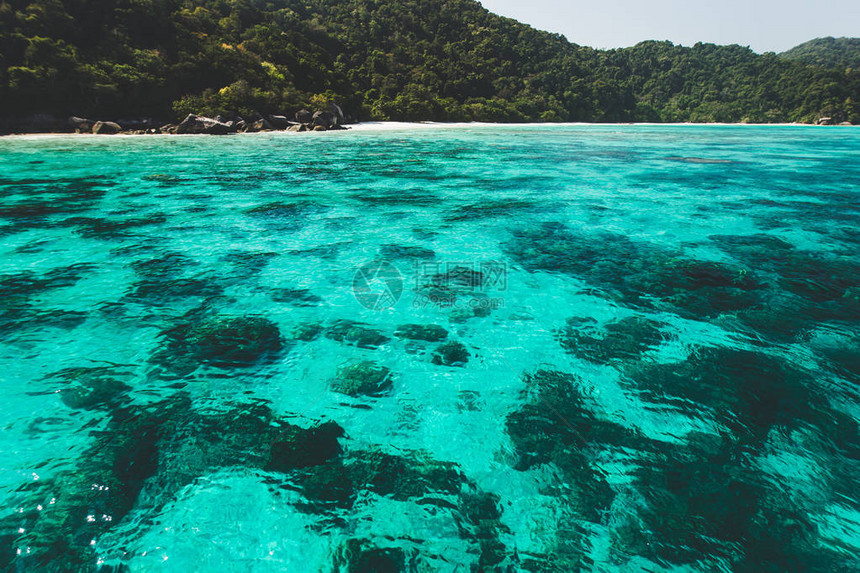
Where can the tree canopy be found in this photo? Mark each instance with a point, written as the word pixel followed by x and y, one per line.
pixel 827 52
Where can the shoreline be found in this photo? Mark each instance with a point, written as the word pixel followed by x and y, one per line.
pixel 388 126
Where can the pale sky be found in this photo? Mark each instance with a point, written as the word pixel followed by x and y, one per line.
pixel 763 25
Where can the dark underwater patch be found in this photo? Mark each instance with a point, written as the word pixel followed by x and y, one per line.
pixel 556 424
pixel 296 296
pixel 637 273
pixel 90 388
pixel 112 229
pixel 748 391
pixel 424 332
pixel 407 197
pixel 221 341
pixel 159 292
pixel 25 319
pixel 285 216
pixel 624 339
pixel 704 500
pixel 44 199
pixel 166 445
pixel 392 251
pixel 451 353
pixel 167 266
pixel 21 286
pixel 365 378
pixel 494 208
pixel 247 263
pixel 804 287
pixel 356 334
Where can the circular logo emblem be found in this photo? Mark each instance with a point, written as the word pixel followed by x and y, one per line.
pixel 377 285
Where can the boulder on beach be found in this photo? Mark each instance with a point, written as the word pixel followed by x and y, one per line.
pixel 324 118
pixel 193 124
pixel 279 121
pixel 304 116
pixel 137 123
pixel 81 125
pixel 338 113
pixel 106 128
pixel 260 125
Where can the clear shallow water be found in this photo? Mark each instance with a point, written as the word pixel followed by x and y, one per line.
pixel 648 356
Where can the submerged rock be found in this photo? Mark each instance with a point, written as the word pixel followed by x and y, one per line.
pixel 557 424
pixel 458 278
pixel 287 216
pixel 749 392
pixel 90 388
pixel 23 318
pixel 358 556
pixel 451 354
pixel 43 199
pixel 27 283
pixel 248 263
pixel 163 291
pixel 161 448
pixel 356 333
pixel 637 273
pixel 296 296
pixel 112 229
pixel 704 499
pixel 406 252
pixel 425 332
pixel 625 339
pixel 168 265
pixel 365 378
pixel 307 331
pixel 492 208
pixel 221 341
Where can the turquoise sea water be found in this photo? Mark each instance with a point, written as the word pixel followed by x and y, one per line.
pixel 473 348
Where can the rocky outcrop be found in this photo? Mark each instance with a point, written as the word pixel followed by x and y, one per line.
pixel 197 124
pixel 106 128
pixel 279 121
pixel 260 125
pixel 81 125
pixel 320 120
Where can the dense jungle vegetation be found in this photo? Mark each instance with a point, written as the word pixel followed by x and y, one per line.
pixel 446 60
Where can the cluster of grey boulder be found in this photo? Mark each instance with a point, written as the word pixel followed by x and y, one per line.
pixel 303 120
pixel 829 121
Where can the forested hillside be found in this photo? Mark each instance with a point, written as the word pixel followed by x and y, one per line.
pixel 380 59
pixel 827 52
